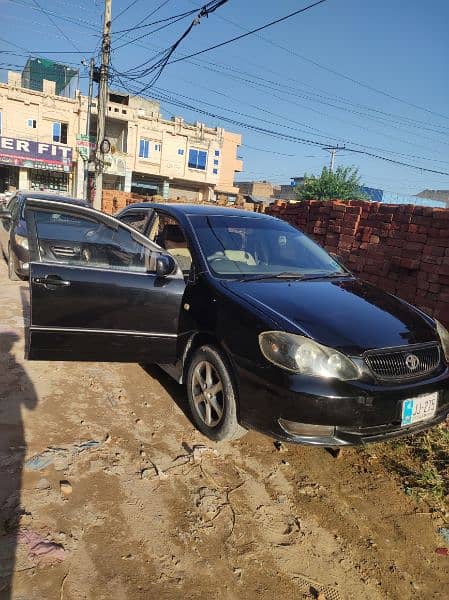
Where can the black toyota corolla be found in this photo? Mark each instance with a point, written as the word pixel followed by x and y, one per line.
pixel 266 330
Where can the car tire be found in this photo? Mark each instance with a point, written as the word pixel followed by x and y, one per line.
pixel 212 395
pixel 12 266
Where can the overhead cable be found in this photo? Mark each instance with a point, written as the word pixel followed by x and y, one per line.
pixel 251 32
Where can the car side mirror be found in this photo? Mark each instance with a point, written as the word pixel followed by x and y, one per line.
pixel 165 265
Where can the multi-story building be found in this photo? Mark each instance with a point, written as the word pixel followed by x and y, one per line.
pixel 37 136
pixel 152 155
pixel 43 146
pixel 264 189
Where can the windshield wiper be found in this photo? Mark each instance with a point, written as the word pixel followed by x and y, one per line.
pixel 327 275
pixel 292 275
pixel 282 275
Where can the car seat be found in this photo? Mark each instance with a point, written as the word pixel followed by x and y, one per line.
pixel 174 241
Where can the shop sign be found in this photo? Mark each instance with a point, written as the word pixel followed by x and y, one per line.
pixel 85 145
pixel 35 155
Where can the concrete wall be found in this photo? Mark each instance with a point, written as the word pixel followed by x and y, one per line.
pixel 402 249
pixel 229 163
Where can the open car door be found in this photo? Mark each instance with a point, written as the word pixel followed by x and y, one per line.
pixel 95 295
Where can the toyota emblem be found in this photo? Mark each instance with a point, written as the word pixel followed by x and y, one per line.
pixel 412 362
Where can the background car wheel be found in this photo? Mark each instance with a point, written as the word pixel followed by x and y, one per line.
pixel 212 395
pixel 12 266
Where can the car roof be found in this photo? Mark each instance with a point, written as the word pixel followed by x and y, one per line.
pixel 178 210
pixel 55 197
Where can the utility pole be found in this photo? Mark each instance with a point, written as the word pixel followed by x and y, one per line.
pixel 88 119
pixel 333 151
pixel 102 101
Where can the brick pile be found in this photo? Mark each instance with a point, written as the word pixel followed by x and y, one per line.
pixel 403 249
pixel 113 201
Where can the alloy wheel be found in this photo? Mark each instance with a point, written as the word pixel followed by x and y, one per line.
pixel 207 393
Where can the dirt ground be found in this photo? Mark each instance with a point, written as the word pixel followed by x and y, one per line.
pixel 151 509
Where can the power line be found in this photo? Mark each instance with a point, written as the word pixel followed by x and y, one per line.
pixel 243 35
pixel 292 138
pixel 143 26
pixel 160 65
pixel 338 73
pixel 148 33
pixel 265 150
pixel 78 22
pixel 122 12
pixel 50 18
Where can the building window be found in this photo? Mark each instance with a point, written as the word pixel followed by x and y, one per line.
pixel 60 133
pixel 215 171
pixel 157 147
pixel 32 123
pixel 217 152
pixel 216 162
pixel 197 159
pixel 144 148
pixel 181 151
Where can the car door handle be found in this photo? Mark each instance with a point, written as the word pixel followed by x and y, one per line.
pixel 53 280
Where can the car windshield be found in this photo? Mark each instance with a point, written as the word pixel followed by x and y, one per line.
pixel 249 247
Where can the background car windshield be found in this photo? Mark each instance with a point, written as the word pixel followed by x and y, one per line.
pixel 239 246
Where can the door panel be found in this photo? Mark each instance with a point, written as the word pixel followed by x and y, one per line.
pixel 109 309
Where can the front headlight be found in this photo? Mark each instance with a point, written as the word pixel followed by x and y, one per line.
pixel 444 337
pixel 302 355
pixel 22 242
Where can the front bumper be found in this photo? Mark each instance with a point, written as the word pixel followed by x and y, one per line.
pixel 355 412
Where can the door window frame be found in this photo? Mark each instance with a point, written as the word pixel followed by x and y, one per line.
pixel 97 217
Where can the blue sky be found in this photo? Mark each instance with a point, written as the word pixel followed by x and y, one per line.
pixel 284 79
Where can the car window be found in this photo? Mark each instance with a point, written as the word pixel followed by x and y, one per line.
pixel 236 246
pixel 136 219
pixel 167 233
pixel 75 240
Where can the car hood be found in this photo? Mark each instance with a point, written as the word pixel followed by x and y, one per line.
pixel 344 313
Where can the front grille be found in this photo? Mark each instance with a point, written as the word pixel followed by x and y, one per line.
pixel 63 251
pixel 407 362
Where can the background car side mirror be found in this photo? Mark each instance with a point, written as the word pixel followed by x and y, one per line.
pixel 165 265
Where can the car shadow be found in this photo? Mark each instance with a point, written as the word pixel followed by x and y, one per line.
pixel 16 391
pixel 175 390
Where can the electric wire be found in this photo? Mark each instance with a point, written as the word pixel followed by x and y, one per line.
pixel 251 32
pixel 335 72
pixel 288 137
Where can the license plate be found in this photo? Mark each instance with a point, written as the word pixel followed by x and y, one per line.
pixel 419 409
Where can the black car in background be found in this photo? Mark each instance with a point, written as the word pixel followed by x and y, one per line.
pixel 13 230
pixel 265 329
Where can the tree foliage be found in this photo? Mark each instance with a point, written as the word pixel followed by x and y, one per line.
pixel 343 184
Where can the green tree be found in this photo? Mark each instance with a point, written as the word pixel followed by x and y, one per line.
pixel 343 184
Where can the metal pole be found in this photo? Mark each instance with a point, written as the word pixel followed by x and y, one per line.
pixel 102 100
pixel 88 119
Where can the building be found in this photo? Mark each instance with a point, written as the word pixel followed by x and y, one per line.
pixel 37 136
pixel 377 195
pixel 288 192
pixel 263 189
pixel 438 195
pixel 43 144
